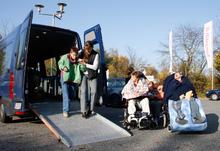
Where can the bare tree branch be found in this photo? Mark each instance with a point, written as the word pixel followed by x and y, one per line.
pixel 187 49
pixel 137 62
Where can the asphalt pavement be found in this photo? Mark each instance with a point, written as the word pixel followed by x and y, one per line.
pixel 31 134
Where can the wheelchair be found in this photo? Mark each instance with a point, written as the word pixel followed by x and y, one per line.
pixel 150 121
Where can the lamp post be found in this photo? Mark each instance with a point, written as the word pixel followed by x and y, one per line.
pixel 58 14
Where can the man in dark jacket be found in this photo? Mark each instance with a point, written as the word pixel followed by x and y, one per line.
pixel 176 85
pixel 176 88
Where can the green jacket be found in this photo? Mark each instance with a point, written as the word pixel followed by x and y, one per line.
pixel 74 70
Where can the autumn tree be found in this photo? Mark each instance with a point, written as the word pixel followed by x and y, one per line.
pixel 117 64
pixel 150 70
pixel 216 69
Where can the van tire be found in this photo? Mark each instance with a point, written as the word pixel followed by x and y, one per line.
pixel 3 116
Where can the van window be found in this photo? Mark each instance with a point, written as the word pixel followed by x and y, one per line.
pixel 97 47
pixel 6 57
pixel 20 56
pixel 24 39
pixel 51 67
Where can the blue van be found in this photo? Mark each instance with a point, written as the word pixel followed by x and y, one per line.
pixel 28 64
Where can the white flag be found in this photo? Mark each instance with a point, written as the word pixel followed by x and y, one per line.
pixel 208 43
pixel 171 50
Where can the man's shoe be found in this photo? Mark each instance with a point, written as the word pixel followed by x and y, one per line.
pixel 65 114
pixel 84 115
pixel 92 113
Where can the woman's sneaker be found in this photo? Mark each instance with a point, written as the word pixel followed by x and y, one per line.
pixel 65 114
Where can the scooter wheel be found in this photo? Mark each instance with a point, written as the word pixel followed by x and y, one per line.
pixel 169 128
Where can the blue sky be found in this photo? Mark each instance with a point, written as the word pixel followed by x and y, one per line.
pixel 139 24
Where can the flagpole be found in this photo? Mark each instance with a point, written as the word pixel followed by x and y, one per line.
pixel 171 51
pixel 212 73
pixel 212 77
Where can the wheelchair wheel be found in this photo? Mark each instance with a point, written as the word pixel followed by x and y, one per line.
pixel 165 120
pixel 126 126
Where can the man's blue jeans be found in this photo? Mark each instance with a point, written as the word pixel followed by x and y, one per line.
pixel 68 93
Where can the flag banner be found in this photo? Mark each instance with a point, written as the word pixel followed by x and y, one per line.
pixel 208 43
pixel 171 51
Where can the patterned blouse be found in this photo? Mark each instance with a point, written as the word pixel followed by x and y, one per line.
pixel 131 91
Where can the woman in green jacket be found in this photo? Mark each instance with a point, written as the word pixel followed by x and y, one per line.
pixel 70 76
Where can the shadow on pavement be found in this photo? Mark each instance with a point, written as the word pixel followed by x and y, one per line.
pixel 212 121
pixel 27 119
pixel 212 125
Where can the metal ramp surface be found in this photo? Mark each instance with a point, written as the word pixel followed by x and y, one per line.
pixel 75 130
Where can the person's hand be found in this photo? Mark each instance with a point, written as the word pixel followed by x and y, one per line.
pixel 81 61
pixel 182 96
pixel 65 69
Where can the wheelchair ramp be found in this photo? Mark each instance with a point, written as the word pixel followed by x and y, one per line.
pixel 75 130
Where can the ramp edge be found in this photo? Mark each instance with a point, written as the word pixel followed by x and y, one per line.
pixel 112 124
pixel 52 129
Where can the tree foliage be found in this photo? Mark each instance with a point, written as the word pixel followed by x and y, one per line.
pixel 200 82
pixel 217 64
pixel 117 64
pixel 150 70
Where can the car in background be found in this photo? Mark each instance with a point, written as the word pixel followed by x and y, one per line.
pixel 114 88
pixel 213 94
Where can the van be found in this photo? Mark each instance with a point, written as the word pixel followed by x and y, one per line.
pixel 114 88
pixel 28 65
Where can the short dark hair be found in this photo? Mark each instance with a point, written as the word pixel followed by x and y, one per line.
pixel 90 43
pixel 137 74
pixel 74 49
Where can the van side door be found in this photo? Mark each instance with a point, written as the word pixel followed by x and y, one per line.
pixel 20 63
pixel 94 34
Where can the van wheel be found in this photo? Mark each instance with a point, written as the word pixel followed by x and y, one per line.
pixel 214 97
pixel 3 117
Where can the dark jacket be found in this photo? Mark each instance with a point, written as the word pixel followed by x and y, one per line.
pixel 91 73
pixel 174 89
pixel 166 88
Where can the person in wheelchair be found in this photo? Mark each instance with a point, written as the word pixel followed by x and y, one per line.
pixel 155 96
pixel 135 92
